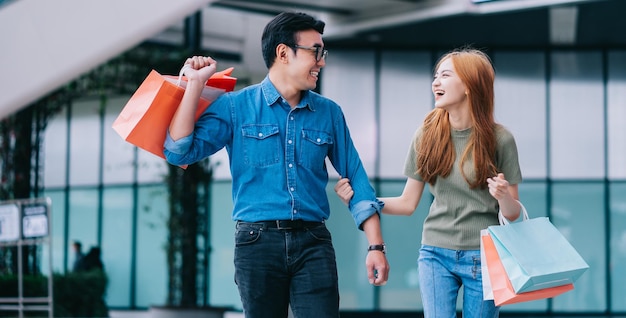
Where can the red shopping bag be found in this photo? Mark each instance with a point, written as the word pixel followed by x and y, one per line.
pixel 145 118
pixel 503 292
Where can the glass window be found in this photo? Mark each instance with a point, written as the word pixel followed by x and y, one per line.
pixel 578 211
pixel 553 103
pixel 221 165
pixel 351 81
pixel 350 248
pixel 616 114
pixel 520 105
pixel 83 218
pixel 223 291
pixel 118 156
pixel 403 236
pixel 55 150
pixel 150 167
pixel 117 243
pixel 153 214
pixel 576 115
pixel 85 142
pixel 405 99
pixel 618 246
pixel 57 232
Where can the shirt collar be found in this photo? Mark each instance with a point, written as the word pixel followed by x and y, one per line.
pixel 272 95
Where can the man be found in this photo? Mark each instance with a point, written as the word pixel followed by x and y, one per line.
pixel 77 247
pixel 277 134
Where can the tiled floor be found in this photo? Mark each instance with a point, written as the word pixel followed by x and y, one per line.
pixel 145 314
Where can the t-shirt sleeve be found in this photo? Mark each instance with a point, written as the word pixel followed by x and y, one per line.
pixel 507 157
pixel 410 164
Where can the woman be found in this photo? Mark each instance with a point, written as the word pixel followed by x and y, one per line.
pixel 471 165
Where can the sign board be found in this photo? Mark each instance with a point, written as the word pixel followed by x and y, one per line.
pixel 34 220
pixel 9 222
pixel 27 222
pixel 24 219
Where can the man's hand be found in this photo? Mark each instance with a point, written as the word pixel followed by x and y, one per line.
pixel 344 190
pixel 377 268
pixel 200 68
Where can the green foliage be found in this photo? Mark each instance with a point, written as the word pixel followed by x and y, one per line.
pixel 75 294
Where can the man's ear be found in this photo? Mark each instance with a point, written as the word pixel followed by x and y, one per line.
pixel 282 53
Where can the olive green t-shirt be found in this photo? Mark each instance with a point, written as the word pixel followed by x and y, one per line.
pixel 458 213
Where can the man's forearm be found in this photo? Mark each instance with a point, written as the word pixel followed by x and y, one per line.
pixel 182 124
pixel 372 230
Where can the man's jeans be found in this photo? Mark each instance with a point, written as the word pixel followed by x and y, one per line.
pixel 275 268
pixel 441 274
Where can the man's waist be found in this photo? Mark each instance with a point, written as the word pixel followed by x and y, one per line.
pixel 285 224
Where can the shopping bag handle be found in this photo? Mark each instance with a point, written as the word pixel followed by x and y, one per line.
pixel 181 73
pixel 221 80
pixel 504 221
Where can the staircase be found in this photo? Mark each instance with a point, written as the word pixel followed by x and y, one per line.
pixel 46 44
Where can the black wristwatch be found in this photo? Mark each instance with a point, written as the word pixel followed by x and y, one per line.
pixel 378 247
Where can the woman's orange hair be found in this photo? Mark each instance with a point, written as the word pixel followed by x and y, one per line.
pixel 435 150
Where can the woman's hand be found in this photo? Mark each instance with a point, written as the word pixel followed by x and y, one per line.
pixel 498 187
pixel 507 196
pixel 344 190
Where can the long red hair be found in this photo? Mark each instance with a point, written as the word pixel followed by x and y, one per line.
pixel 435 150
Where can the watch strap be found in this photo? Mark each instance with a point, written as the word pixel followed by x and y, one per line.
pixel 377 247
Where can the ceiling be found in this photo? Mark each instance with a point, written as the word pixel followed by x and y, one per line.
pixel 451 23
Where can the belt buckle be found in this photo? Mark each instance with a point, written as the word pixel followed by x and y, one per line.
pixel 280 227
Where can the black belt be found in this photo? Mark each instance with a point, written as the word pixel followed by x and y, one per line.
pixel 289 224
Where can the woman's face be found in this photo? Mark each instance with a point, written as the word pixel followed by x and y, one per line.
pixel 449 91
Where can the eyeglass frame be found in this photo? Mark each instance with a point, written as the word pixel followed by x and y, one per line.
pixel 320 52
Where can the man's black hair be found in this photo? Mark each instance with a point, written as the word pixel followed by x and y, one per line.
pixel 283 29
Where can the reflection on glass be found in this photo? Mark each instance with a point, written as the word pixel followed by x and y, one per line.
pixel 117 243
pixel 578 211
pixel 151 269
pixel 618 246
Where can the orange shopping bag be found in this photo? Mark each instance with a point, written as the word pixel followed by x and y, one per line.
pixel 503 292
pixel 145 118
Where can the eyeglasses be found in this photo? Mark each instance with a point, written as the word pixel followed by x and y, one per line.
pixel 320 52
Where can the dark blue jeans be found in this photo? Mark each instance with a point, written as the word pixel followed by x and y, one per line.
pixel 276 268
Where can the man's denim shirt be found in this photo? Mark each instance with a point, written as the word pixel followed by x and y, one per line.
pixel 277 155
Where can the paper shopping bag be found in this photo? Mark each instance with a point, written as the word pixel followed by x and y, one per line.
pixel 484 269
pixel 536 255
pixel 145 118
pixel 501 288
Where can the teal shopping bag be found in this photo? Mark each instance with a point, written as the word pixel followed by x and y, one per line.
pixel 536 255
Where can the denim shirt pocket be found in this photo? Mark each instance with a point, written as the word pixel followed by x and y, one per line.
pixel 314 149
pixel 261 145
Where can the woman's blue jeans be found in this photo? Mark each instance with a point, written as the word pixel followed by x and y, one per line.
pixel 442 272
pixel 276 268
